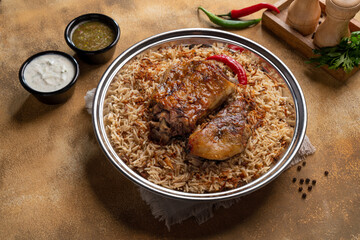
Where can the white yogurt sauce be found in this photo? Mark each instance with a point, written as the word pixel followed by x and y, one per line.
pixel 49 72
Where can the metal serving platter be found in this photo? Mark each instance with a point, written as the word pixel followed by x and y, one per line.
pixel 200 36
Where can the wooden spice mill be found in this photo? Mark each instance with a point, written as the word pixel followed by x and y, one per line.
pixel 310 24
pixel 303 15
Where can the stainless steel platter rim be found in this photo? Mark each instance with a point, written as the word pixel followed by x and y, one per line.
pixel 202 33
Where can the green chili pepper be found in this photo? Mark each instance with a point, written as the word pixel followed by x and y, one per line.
pixel 235 24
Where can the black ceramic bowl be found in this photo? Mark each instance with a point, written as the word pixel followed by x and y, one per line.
pixel 99 56
pixel 51 97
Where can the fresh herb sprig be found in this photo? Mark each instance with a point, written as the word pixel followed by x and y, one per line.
pixel 345 55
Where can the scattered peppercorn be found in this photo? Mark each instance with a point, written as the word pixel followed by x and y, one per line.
pixel 319 22
pixel 294 180
pixel 299 168
pixel 303 195
pixel 309 188
pixel 300 189
pixel 313 182
pixel 301 181
pixel 304 163
pixel 326 173
pixel 307 181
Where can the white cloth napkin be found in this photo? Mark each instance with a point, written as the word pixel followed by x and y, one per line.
pixel 173 211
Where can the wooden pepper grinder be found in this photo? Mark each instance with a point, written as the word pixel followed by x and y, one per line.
pixel 336 24
pixel 303 15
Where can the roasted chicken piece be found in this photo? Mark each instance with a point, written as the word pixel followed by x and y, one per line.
pixel 189 91
pixel 225 135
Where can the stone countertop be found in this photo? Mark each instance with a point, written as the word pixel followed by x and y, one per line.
pixel 55 182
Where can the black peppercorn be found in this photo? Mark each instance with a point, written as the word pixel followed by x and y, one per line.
pixel 301 181
pixel 294 180
pixel 326 173
pixel 300 189
pixel 313 182
pixel 304 163
pixel 307 181
pixel 299 168
pixel 303 195
pixel 309 188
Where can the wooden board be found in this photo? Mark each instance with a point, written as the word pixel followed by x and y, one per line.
pixel 303 44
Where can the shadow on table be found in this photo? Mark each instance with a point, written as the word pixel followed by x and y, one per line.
pixel 31 109
pixel 122 199
pixel 320 76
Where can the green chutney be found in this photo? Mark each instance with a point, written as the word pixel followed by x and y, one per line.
pixel 93 36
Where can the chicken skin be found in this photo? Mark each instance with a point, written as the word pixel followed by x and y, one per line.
pixel 225 135
pixel 189 92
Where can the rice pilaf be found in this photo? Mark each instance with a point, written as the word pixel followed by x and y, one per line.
pixel 127 113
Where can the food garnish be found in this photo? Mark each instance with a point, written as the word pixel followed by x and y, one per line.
pixel 235 48
pixel 345 55
pixel 234 14
pixel 233 64
pixel 227 23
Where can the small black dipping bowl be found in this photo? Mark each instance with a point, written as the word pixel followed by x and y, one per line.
pixel 55 97
pixel 98 56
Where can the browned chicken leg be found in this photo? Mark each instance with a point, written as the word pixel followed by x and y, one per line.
pixel 189 92
pixel 224 136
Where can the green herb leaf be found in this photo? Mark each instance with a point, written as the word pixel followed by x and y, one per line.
pixel 345 55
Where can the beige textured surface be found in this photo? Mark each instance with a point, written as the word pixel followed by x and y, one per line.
pixel 55 182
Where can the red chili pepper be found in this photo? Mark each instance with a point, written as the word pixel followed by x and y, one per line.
pixel 249 10
pixel 233 64
pixel 235 48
